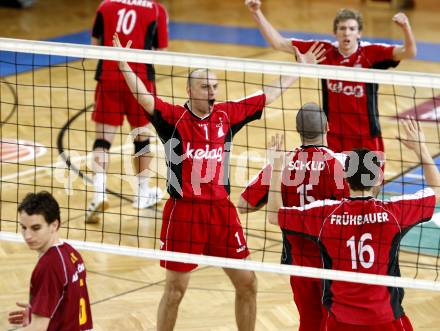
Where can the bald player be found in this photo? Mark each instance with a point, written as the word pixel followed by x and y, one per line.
pixel 199 218
pixel 362 234
pixel 312 172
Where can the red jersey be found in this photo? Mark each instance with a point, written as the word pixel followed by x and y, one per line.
pixel 312 173
pixel 360 235
pixel 198 149
pixel 59 290
pixel 143 22
pixel 351 107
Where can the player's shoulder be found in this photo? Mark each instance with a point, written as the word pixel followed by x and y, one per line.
pixel 368 45
pixel 256 95
pixel 52 261
pixel 316 205
pixel 419 195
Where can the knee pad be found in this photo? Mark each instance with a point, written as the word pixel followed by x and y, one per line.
pixel 141 146
pixel 102 143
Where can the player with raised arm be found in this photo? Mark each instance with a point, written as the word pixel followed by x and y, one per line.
pixel 362 234
pixel 145 23
pixel 58 291
pixel 351 107
pixel 199 218
pixel 311 172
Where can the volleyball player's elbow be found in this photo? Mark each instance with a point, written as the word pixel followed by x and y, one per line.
pixel 410 52
pixel 413 52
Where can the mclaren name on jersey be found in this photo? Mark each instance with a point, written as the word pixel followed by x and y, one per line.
pixel 141 3
pixel 348 219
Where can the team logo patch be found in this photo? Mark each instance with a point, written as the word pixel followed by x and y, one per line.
pixel 12 150
pixel 428 111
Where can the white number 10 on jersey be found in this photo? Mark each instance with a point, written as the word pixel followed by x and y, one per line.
pixel 126 21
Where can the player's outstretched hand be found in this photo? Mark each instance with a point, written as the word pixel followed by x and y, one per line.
pixel 117 42
pixel 253 5
pixel 20 317
pixel 314 55
pixel 275 152
pixel 401 19
pixel 414 137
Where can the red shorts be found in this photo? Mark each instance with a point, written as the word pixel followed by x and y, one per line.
pixel 114 100
pixel 201 227
pixel 401 324
pixel 307 294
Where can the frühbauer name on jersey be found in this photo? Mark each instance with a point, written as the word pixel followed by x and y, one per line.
pixel 141 3
pixel 347 219
pixel 207 154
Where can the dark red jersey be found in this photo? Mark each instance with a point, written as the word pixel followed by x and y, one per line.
pixel 143 22
pixel 59 290
pixel 351 107
pixel 198 149
pixel 312 173
pixel 360 235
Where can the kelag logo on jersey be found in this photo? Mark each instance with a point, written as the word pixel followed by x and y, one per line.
pixel 206 153
pixel 340 87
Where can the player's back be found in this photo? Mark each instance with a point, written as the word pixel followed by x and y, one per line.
pixel 144 23
pixel 132 20
pixel 362 235
pixel 312 173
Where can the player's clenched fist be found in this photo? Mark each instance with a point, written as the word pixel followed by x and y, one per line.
pixel 401 19
pixel 253 5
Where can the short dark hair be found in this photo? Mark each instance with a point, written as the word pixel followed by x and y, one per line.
pixel 41 203
pixel 311 121
pixel 363 169
pixel 345 14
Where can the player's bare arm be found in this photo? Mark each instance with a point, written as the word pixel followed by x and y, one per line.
pixel 314 55
pixel 270 34
pixel 409 49
pixel 276 157
pixel 137 87
pixel 245 207
pixel 415 140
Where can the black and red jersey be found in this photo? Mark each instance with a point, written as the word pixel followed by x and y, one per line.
pixel 198 149
pixel 143 22
pixel 311 173
pixel 351 107
pixel 360 235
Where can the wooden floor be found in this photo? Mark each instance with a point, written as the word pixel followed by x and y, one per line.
pixel 125 292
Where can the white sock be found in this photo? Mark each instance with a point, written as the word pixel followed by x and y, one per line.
pixel 99 183
pixel 143 185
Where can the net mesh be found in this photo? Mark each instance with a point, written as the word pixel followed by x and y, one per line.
pixel 46 100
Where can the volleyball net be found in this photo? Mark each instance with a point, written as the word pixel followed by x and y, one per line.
pixel 46 101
